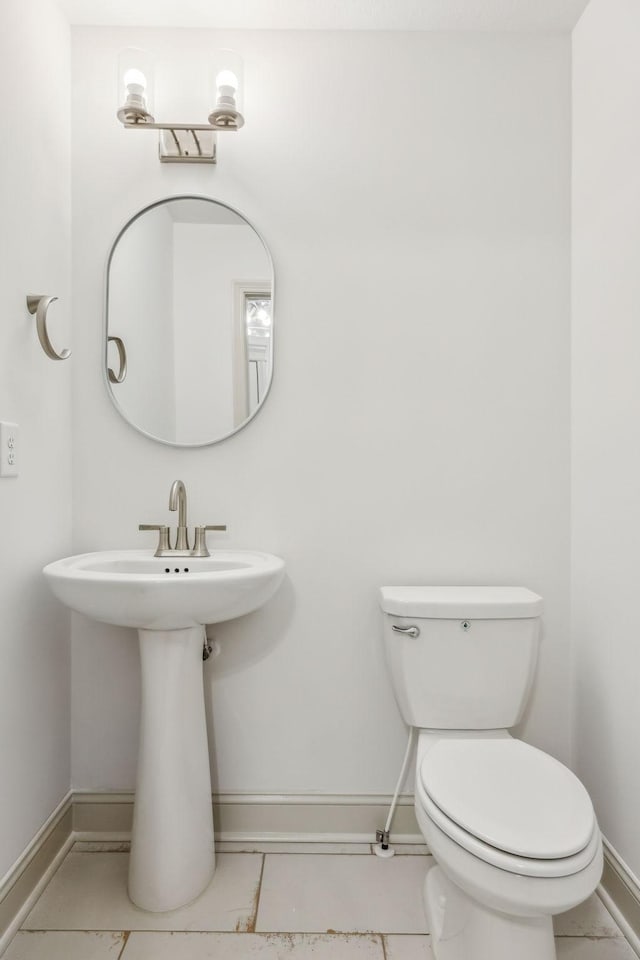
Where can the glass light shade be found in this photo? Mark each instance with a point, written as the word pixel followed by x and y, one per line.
pixel 135 86
pixel 227 87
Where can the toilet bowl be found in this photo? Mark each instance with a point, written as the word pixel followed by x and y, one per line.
pixel 512 831
pixel 476 797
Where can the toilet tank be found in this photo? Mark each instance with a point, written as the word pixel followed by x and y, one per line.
pixel 461 658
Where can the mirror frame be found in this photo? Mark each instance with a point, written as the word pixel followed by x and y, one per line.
pixel 105 324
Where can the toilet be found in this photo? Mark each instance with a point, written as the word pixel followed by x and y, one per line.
pixel 512 831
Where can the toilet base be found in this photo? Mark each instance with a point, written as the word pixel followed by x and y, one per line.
pixel 463 929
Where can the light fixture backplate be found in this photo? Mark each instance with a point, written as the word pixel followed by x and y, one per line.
pixel 187 145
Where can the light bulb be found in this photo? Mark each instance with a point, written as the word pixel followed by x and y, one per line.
pixel 135 82
pixel 227 83
pixel 135 86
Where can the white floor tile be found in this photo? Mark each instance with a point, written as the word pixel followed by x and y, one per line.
pixel 589 919
pixel 89 892
pixel 327 894
pixel 399 947
pixel 246 846
pixel 246 946
pixel 65 946
pixel 320 905
pixel 583 948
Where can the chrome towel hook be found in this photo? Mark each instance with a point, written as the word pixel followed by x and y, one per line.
pixel 39 304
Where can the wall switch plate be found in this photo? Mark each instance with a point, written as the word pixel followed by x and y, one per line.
pixel 8 449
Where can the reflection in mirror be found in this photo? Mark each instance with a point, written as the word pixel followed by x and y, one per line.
pixel 190 298
pixel 258 321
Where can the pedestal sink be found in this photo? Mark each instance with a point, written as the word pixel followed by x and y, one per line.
pixel 169 600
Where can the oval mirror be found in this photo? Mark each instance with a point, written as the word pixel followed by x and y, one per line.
pixel 189 321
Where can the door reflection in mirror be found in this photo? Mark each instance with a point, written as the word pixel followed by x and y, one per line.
pixel 199 334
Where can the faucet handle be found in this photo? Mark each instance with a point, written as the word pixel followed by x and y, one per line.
pixel 163 539
pixel 200 548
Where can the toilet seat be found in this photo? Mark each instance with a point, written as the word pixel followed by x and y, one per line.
pixel 510 805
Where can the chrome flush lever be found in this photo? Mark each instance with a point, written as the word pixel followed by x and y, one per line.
pixel 408 631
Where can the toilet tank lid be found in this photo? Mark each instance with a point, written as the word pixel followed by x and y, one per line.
pixel 477 603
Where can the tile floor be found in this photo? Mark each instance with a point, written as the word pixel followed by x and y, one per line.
pixel 266 902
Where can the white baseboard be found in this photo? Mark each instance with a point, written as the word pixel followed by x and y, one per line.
pixel 23 883
pixel 9 932
pixel 258 818
pixel 620 893
pixel 32 850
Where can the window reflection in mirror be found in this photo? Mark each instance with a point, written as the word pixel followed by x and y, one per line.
pixel 258 332
pixel 198 334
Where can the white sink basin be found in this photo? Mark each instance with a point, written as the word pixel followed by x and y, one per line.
pixel 132 588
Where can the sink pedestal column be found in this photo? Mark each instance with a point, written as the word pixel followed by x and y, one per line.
pixel 172 848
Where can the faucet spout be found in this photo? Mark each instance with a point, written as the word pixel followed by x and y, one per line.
pixel 178 501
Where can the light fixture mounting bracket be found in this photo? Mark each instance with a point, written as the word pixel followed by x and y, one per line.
pixel 183 142
pixel 187 146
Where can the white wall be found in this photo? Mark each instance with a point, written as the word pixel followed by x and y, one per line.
pixel 417 427
pixel 606 413
pixel 35 507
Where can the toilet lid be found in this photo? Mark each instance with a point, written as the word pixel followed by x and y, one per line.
pixel 510 795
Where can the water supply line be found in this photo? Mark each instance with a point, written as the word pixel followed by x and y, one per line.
pixel 382 848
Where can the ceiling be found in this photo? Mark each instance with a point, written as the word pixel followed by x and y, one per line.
pixel 497 15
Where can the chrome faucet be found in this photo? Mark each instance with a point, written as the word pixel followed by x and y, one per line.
pixel 178 501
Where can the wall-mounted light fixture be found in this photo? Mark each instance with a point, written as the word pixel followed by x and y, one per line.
pixel 181 142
